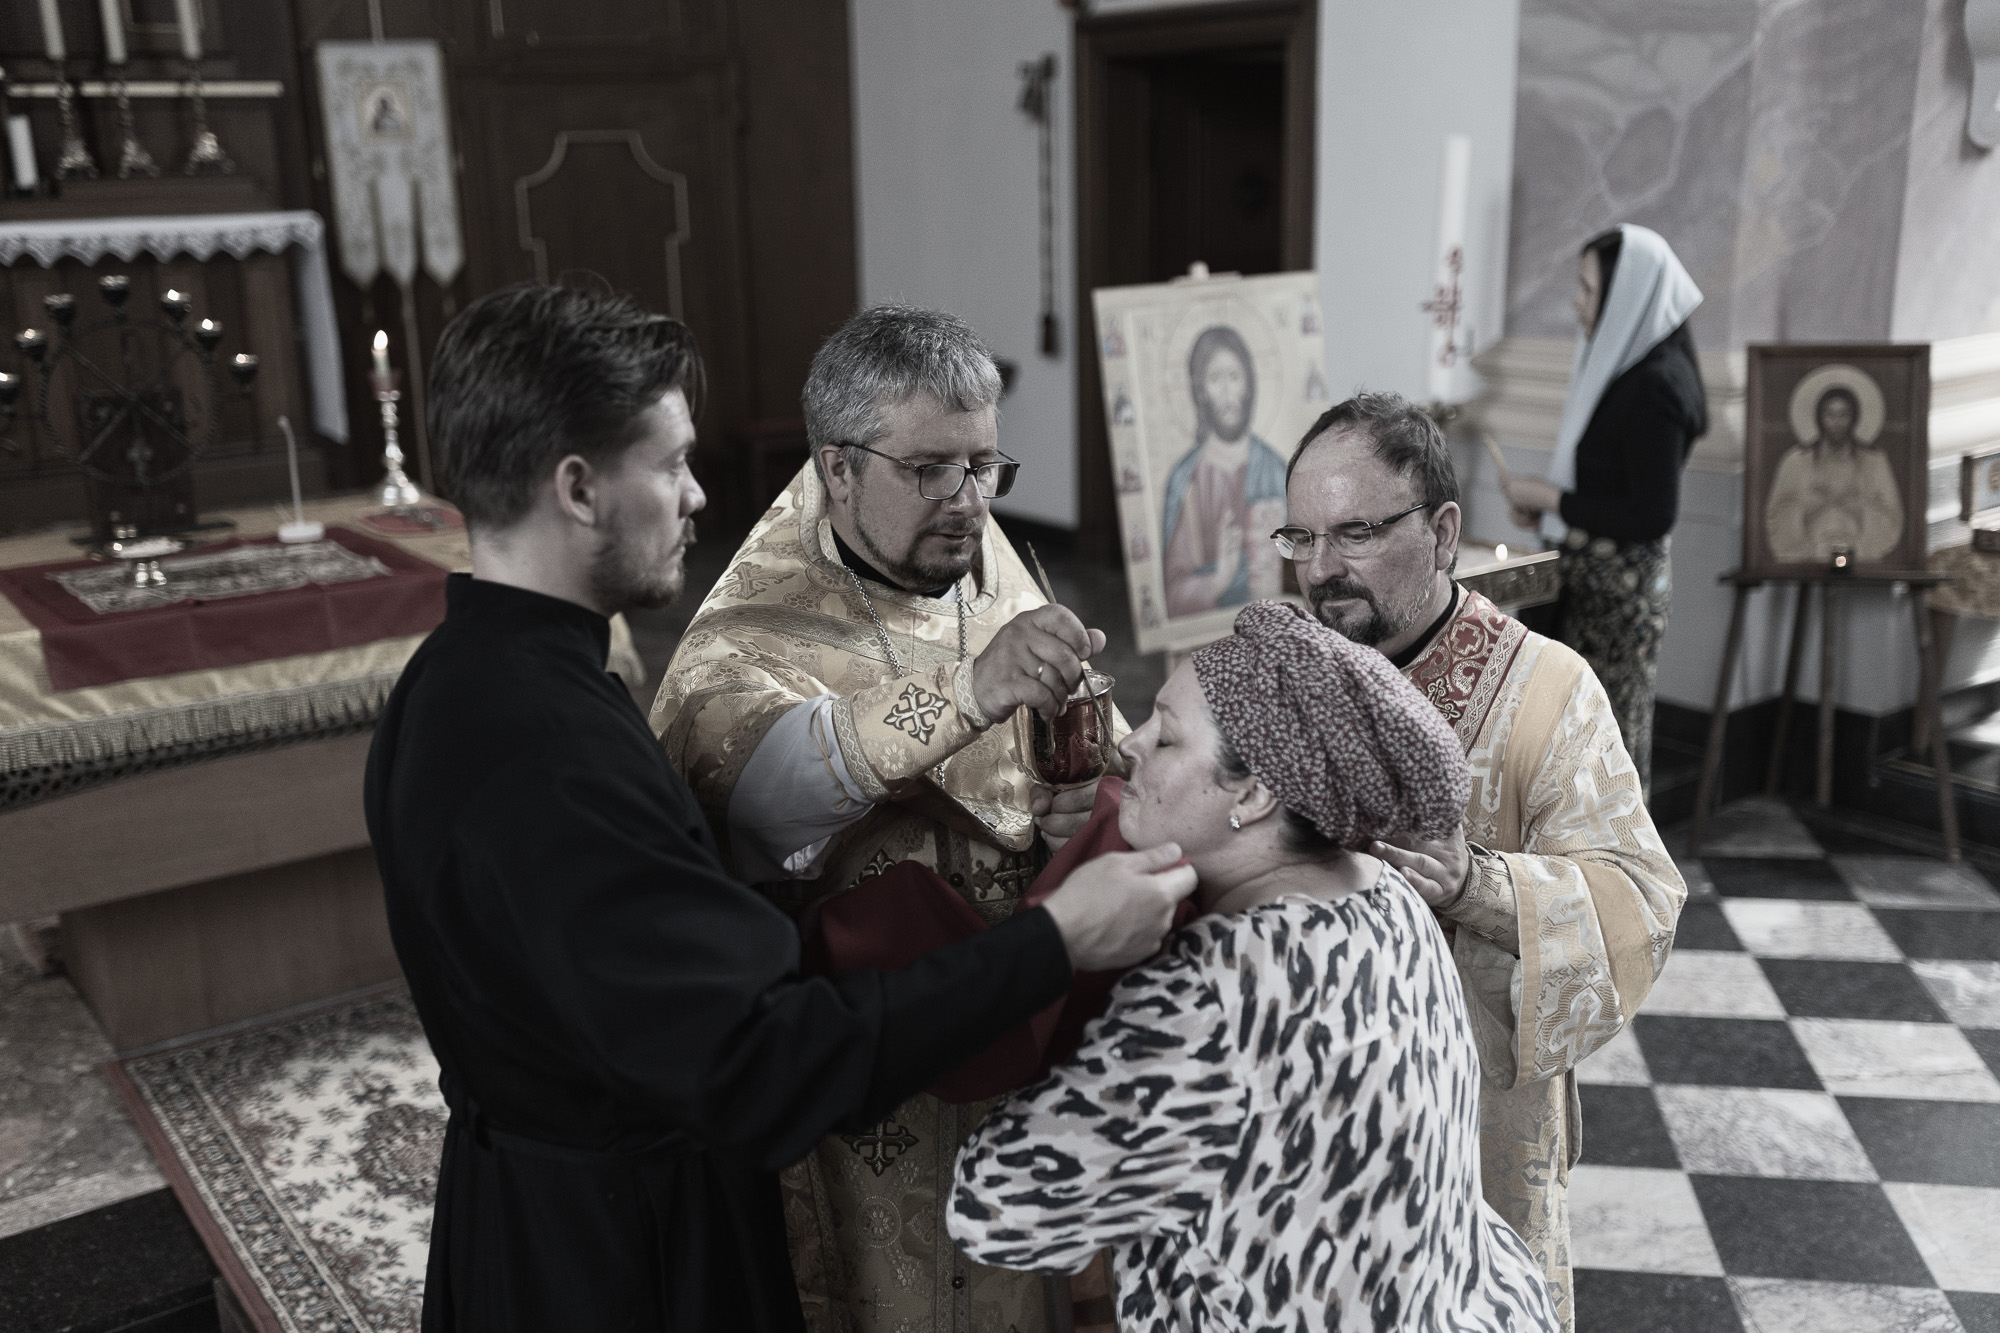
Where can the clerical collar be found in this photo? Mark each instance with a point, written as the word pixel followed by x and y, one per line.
pixel 874 575
pixel 468 598
pixel 1423 641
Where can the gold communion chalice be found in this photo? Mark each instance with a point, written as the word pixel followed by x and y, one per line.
pixel 1073 747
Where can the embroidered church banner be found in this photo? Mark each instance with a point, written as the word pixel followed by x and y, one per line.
pixel 388 150
pixel 1208 385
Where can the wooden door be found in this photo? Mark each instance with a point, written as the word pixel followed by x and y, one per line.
pixel 1194 141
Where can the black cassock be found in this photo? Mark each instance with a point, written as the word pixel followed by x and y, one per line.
pixel 628 1049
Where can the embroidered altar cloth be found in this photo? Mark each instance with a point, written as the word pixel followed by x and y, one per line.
pixel 238 571
pixel 55 742
pixel 298 233
pixel 370 590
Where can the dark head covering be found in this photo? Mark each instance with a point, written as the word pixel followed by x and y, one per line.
pixel 1332 729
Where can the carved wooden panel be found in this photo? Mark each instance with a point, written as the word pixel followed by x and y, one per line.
pixel 743 110
pixel 634 183
pixel 573 204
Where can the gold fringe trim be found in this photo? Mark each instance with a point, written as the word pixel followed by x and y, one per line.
pixel 298 710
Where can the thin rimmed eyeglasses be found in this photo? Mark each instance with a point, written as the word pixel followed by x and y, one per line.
pixel 1350 539
pixel 942 481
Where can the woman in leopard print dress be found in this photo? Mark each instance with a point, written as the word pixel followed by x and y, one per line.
pixel 1276 1125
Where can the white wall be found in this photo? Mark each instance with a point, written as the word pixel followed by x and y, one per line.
pixel 948 202
pixel 949 206
pixel 1394 80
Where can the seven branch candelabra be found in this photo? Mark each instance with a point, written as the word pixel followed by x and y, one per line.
pixel 132 435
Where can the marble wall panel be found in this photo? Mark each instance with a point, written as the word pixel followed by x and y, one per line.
pixel 1822 195
pixel 1948 276
pixel 1628 111
pixel 1771 142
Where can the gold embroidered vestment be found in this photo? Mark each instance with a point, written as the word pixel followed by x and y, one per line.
pixel 1560 936
pixel 864 1212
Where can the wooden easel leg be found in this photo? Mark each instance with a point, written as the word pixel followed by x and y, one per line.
pixel 1830 607
pixel 1718 724
pixel 1930 671
pixel 1794 655
pixel 1930 698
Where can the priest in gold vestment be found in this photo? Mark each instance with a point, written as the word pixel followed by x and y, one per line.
pixel 1559 897
pixel 846 699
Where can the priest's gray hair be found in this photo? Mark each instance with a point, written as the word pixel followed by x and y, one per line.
pixel 885 356
pixel 1401 435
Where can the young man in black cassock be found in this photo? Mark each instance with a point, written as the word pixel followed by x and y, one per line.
pixel 628 1049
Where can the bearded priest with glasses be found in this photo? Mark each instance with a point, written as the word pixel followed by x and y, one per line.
pixel 1557 894
pixel 843 705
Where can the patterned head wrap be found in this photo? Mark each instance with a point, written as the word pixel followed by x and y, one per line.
pixel 1332 729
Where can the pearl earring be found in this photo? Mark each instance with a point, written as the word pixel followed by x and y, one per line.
pixel 1236 823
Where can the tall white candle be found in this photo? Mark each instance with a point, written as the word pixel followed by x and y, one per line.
pixel 114 31
pixel 21 152
pixel 52 33
pixel 382 353
pixel 1448 295
pixel 190 25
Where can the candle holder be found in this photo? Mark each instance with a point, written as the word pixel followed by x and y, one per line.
pixel 75 162
pixel 397 492
pixel 206 158
pixel 133 159
pixel 136 437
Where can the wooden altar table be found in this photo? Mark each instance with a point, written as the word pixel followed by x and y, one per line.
pixel 200 835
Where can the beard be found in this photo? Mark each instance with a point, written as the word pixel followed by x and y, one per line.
pixel 1378 624
pixel 916 572
pixel 1228 427
pixel 634 570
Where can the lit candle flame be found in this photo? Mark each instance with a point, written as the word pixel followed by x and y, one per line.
pixel 1500 551
pixel 381 340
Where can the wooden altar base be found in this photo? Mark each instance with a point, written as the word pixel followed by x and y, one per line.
pixel 1831 588
pixel 204 895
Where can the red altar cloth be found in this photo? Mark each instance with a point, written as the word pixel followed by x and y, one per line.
pixel 889 920
pixel 83 648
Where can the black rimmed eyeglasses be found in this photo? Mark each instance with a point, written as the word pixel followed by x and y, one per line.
pixel 942 481
pixel 1353 539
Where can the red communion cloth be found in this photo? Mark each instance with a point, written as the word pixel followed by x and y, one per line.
pixel 889 920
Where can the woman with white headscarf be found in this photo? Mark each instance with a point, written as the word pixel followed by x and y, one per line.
pixel 1636 407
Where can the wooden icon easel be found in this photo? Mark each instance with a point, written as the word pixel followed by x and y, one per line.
pixel 1832 588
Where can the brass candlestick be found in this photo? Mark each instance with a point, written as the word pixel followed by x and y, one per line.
pixel 206 158
pixel 133 159
pixel 75 161
pixel 397 491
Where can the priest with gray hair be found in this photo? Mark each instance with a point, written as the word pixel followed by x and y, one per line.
pixel 844 706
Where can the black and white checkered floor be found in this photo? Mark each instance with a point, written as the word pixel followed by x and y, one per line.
pixel 1801 1129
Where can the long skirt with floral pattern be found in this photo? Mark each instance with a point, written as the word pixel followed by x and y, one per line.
pixel 1615 598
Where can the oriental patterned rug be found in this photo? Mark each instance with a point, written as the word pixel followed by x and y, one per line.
pixel 305 1149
